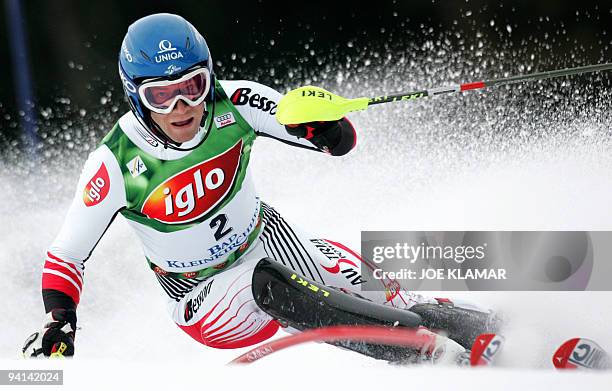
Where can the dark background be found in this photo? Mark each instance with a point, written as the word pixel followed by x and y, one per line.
pixel 73 45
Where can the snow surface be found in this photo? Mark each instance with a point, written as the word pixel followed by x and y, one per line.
pixel 499 160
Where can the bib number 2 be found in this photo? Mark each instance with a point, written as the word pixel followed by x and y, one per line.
pixel 219 224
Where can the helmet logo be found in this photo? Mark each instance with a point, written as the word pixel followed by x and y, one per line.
pixel 167 52
pixel 171 69
pixel 165 46
pixel 126 83
pixel 127 54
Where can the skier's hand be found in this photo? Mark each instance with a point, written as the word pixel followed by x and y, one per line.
pixel 333 137
pixel 56 339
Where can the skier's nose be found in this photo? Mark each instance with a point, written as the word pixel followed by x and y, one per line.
pixel 180 107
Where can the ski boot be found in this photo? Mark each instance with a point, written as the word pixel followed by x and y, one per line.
pixel 459 321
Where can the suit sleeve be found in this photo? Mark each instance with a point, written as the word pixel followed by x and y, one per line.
pixel 257 104
pixel 100 194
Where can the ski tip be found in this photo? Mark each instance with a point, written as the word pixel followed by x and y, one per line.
pixel 485 349
pixel 581 353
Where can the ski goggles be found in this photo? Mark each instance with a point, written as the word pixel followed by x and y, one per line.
pixel 161 96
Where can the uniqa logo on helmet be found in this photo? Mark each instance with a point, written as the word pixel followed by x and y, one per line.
pixel 167 52
pixel 195 191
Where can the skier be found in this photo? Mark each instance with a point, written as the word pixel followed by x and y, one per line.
pixel 176 167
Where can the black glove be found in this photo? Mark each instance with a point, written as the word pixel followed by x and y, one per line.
pixel 56 337
pixel 333 137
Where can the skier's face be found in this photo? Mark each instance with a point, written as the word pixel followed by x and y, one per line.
pixel 182 123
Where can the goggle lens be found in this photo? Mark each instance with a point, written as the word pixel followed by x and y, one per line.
pixel 163 95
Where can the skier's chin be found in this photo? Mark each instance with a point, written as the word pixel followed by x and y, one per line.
pixel 183 124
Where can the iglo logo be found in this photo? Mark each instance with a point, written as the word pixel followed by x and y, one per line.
pixel 167 52
pixel 195 191
pixel 97 188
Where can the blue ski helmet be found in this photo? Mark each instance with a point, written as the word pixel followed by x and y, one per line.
pixel 160 46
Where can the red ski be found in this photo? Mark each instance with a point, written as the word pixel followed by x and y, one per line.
pixel 581 353
pixel 485 349
pixel 374 334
